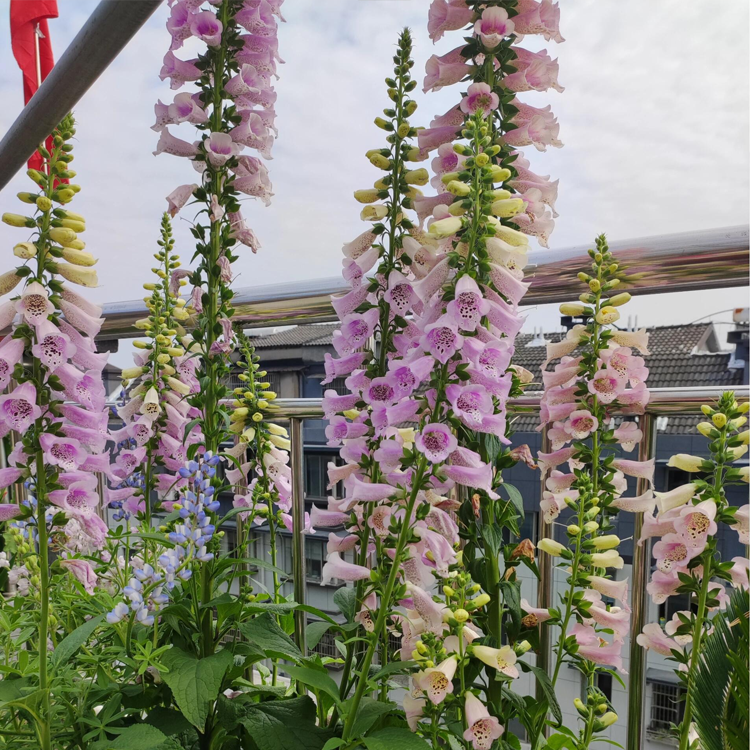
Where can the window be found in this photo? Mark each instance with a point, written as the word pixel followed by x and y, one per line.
pixel 604 683
pixel 326 646
pixel 667 707
pixel 315 557
pixel 316 476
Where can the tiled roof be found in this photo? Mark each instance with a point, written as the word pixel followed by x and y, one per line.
pixel 317 334
pixel 672 361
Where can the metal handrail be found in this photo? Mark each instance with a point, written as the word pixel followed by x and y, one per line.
pixel 662 401
pixel 111 26
pixel 687 261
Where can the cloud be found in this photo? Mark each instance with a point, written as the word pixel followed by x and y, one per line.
pixel 654 120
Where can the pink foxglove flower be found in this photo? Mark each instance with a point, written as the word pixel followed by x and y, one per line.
pixel 447 15
pixel 653 638
pixel 207 27
pixel 83 571
pixel 8 511
pixel 741 524
pixel 503 659
pixel 483 729
pixel 479 98
pixel 436 441
pixel 696 523
pixel 336 567
pixel 493 26
pixel 11 352
pixel 34 304
pixel 437 682
pixel 18 409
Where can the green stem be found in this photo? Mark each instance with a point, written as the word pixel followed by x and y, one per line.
pixel 385 600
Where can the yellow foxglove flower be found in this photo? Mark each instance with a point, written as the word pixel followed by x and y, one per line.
pixel 705 429
pixel 607 315
pixel 239 413
pixel 608 559
pixel 78 257
pixel 78 274
pixel 9 281
pixel 550 546
pixel 511 236
pixel 366 196
pixel 456 209
pixel 175 351
pixel 499 174
pixel 608 719
pixel 27 197
pixel 77 244
pixel 449 177
pixel 503 659
pixel 686 462
pixel 744 437
pixel 150 407
pixel 719 419
pixel 63 236
pixel 373 213
pixel 608 541
pixel 163 358
pixel 445 227
pixel 248 435
pixel 167 370
pixel 178 386
pixel 142 324
pixel 140 345
pixel 416 154
pixel 25 250
pixel 737 453
pixel 507 208
pixel 43 203
pixel 275 429
pixel 280 442
pixel 76 226
pixel 620 299
pixel 16 220
pixel 572 308
pixel 130 373
pixel 380 161
pixel 351 414
pixel 456 187
pixel 407 435
pixel 417 176
pixel 745 473
pixel 72 215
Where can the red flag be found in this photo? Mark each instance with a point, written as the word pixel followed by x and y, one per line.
pixel 26 16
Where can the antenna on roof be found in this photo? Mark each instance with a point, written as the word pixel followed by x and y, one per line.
pixel 538 338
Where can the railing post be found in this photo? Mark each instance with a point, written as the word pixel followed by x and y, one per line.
pixel 298 533
pixel 639 580
pixel 546 578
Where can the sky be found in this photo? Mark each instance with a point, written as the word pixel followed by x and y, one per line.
pixel 654 118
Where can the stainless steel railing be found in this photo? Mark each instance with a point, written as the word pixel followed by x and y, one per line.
pixel 686 261
pixel 663 401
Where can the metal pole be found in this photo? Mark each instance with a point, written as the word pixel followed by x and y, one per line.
pixel 639 579
pixel 298 533
pixel 111 26
pixel 544 587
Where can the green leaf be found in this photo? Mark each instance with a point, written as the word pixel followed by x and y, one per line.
pixel 395 738
pixel 276 608
pixel 512 598
pixel 137 737
pixel 69 645
pixel 283 725
pixel 195 683
pixel 11 690
pixel 315 631
pixel 515 497
pixel 370 710
pixel 315 679
pixel 345 599
pixel 168 720
pixel 545 683
pixel 265 633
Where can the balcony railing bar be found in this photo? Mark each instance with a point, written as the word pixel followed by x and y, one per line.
pixel 110 27
pixel 686 261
